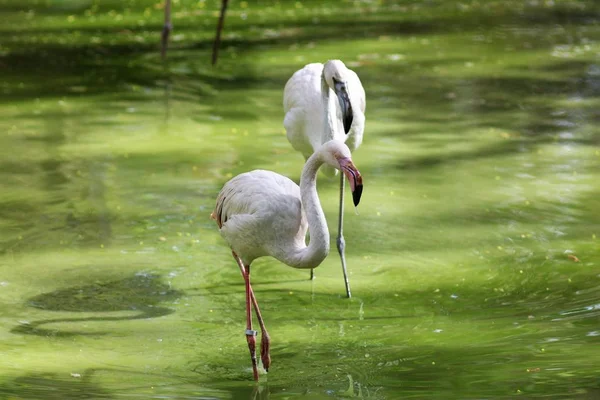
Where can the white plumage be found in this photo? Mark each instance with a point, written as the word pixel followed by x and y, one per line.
pixel 324 102
pixel 313 114
pixel 261 213
pixel 261 202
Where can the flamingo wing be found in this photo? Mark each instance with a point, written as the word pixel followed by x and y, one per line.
pixel 359 103
pixel 257 210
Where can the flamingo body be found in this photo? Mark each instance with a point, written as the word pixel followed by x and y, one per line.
pixel 259 209
pixel 307 101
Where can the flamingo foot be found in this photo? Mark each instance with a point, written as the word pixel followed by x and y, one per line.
pixel 251 338
pixel 265 350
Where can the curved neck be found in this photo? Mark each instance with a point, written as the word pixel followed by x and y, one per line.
pixel 303 256
pixel 330 117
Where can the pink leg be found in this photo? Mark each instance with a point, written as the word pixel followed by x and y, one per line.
pixel 265 342
pixel 250 334
pixel 265 339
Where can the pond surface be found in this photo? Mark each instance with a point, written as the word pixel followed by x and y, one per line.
pixel 474 260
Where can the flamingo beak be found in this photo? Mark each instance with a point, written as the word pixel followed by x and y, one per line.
pixel 341 90
pixel 354 178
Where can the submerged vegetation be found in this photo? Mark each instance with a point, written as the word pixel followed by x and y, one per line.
pixel 475 257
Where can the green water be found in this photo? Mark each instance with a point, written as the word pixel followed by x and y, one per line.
pixel 474 262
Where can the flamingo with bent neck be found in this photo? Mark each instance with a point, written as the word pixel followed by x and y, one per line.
pixel 261 213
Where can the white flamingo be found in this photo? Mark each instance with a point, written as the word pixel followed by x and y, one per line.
pixel 324 102
pixel 261 213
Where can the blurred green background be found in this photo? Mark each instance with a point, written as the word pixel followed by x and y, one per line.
pixel 474 260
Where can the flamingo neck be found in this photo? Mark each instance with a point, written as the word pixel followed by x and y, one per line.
pixel 330 114
pixel 303 256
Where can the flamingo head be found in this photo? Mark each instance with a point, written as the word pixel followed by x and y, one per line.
pixel 335 74
pixel 336 154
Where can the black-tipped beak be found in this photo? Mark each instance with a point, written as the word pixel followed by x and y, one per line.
pixel 356 194
pixel 341 90
pixel 354 179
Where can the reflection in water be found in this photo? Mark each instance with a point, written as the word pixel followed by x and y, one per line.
pixel 140 294
pixel 168 87
pixel 53 386
pixel 97 197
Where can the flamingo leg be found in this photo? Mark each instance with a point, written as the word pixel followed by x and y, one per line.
pixel 265 339
pixel 217 42
pixel 167 28
pixel 250 334
pixel 341 243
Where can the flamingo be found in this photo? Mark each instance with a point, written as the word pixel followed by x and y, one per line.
pixel 261 213
pixel 313 116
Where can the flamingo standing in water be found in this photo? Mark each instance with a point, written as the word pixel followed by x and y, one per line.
pixel 323 102
pixel 261 213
